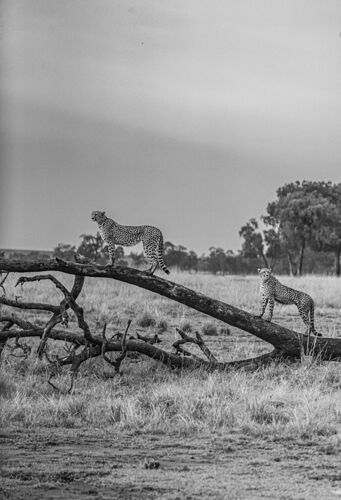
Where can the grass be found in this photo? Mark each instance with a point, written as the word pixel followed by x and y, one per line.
pixel 210 328
pixel 280 401
pixel 146 320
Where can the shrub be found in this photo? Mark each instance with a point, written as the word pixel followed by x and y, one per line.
pixel 162 326
pixel 209 328
pixel 224 330
pixel 146 320
pixel 186 326
pixel 7 389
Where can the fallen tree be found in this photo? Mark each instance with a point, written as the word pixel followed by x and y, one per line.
pixel 286 343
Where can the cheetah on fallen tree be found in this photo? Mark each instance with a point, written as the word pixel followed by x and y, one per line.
pixel 272 290
pixel 115 234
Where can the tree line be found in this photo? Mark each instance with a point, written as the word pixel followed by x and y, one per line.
pixel 300 232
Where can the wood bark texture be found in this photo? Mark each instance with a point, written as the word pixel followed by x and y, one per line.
pixel 287 343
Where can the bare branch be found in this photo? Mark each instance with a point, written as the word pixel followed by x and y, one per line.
pixel 28 305
pixel 117 362
pixel 150 340
pixel 3 341
pixel 3 281
pixel 205 349
pixel 43 277
pixel 53 321
pixel 123 354
pixel 198 341
pixel 104 347
pixel 26 349
pixel 59 313
pixel 15 320
pixel 285 341
pixel 74 359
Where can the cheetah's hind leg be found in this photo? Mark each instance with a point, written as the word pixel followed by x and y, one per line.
pixel 151 269
pixel 111 248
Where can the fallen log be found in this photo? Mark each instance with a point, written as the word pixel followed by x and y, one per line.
pixel 287 343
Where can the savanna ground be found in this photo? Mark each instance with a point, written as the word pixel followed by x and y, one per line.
pixel 155 433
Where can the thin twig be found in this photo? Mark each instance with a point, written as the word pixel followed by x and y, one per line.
pixel 192 340
pixel 3 281
pixel 60 314
pixel 26 349
pixel 117 362
pixel 150 340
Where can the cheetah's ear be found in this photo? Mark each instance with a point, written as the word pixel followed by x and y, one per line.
pixel 102 213
pixel 270 269
pixel 259 269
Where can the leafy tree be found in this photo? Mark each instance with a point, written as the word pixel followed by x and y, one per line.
pixel 92 247
pixel 295 216
pixel 95 249
pixel 191 261
pixel 253 241
pixel 175 255
pixel 64 251
pixel 274 247
pixel 138 259
pixel 217 260
pixel 327 234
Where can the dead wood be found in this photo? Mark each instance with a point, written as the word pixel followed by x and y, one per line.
pixel 117 362
pixel 155 339
pixel 286 343
pixel 198 341
pixel 59 313
pixel 283 339
pixel 3 281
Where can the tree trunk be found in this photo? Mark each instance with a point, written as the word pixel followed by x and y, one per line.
pixel 292 265
pixel 265 260
pixel 301 257
pixel 286 342
pixel 337 261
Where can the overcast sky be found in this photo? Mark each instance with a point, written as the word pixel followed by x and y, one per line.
pixel 183 114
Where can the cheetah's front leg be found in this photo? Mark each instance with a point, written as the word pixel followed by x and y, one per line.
pixel 264 304
pixel 111 248
pixel 271 309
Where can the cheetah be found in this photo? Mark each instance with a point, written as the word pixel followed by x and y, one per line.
pixel 272 290
pixel 115 234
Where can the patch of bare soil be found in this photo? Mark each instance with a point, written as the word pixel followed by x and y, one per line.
pixel 53 464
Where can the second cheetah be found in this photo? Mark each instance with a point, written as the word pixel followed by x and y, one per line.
pixel 272 290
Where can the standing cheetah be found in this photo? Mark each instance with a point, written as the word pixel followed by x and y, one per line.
pixel 272 290
pixel 115 234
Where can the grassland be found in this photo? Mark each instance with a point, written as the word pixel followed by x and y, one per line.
pixel 145 426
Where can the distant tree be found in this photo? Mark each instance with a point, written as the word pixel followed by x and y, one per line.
pixel 327 233
pixel 253 241
pixel 217 262
pixel 175 255
pixel 95 249
pixel 274 248
pixel 295 217
pixel 64 251
pixel 191 261
pixel 231 261
pixel 138 259
pixel 91 246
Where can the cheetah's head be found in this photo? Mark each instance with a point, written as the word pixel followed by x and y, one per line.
pixel 98 216
pixel 264 273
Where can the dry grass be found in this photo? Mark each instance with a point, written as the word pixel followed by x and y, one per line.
pixel 281 401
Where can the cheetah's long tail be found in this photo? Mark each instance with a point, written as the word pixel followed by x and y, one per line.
pixel 312 312
pixel 160 256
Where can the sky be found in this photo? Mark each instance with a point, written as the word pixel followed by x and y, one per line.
pixel 183 114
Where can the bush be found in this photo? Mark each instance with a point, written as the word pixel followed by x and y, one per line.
pixel 162 326
pixel 224 330
pixel 186 326
pixel 146 320
pixel 209 328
